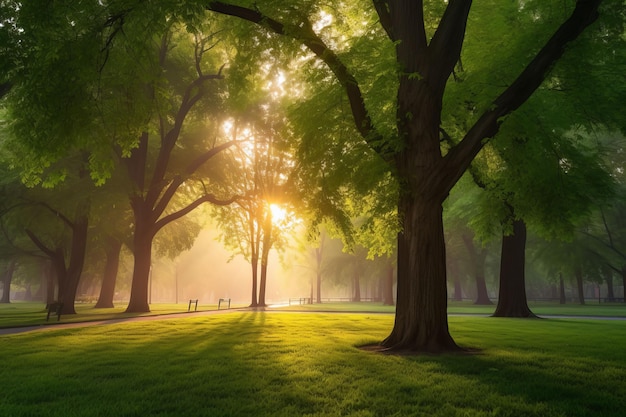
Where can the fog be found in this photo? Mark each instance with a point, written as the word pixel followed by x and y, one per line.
pixel 207 273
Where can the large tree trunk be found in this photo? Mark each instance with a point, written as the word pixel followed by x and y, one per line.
pixel 421 322
pixel 512 295
pixel 111 267
pixel 7 277
pixel 52 282
pixel 142 253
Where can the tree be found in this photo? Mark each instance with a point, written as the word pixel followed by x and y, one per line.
pixel 425 175
pixel 155 184
pixel 259 222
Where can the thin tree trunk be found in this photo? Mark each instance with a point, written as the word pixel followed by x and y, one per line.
pixel 254 263
pixel 356 281
pixel 456 279
pixel 512 294
pixel 562 299
pixel 608 277
pixel 318 272
pixel 263 283
pixel 478 258
pixel 107 290
pixel 624 283
pixel 7 277
pixel 578 273
pixel 388 285
pixel 76 262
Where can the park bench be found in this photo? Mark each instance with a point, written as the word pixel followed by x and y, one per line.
pixel 219 304
pixel 54 308
pixel 300 301
pixel 193 302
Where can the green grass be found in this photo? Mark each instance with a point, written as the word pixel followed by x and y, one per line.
pixel 32 314
pixel 540 308
pixel 309 364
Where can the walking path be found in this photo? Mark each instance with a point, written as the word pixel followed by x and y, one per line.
pixel 56 325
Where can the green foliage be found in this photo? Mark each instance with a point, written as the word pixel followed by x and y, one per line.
pixel 545 166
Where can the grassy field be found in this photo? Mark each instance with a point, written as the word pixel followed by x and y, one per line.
pixel 309 364
pixel 33 314
pixel 540 308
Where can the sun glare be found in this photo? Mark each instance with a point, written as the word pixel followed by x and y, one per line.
pixel 279 214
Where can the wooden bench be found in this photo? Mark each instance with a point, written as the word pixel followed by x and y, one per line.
pixel 219 304
pixel 192 302
pixel 54 308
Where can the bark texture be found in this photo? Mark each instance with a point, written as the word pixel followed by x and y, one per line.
pixel 512 294
pixel 109 278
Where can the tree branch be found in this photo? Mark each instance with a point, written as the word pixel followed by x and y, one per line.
pixel 169 193
pixel 193 93
pixel 209 198
pixel 458 158
pixel 382 8
pixel 305 34
pixel 42 247
pixel 445 46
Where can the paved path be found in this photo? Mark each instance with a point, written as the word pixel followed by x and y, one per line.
pixel 56 326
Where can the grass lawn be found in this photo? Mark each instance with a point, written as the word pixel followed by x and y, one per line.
pixel 32 314
pixel 468 307
pixel 308 364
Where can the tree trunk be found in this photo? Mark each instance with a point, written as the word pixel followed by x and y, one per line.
pixel 388 287
pixel 421 321
pixel 482 295
pixel 52 282
pixel 265 255
pixel 107 290
pixel 624 283
pixel 7 277
pixel 562 298
pixel 578 273
pixel 142 254
pixel 512 294
pixel 318 270
pixel 608 277
pixel 458 289
pixel 254 263
pixel 478 258
pixel 456 279
pixel 76 262
pixel 356 282
pixel 263 284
